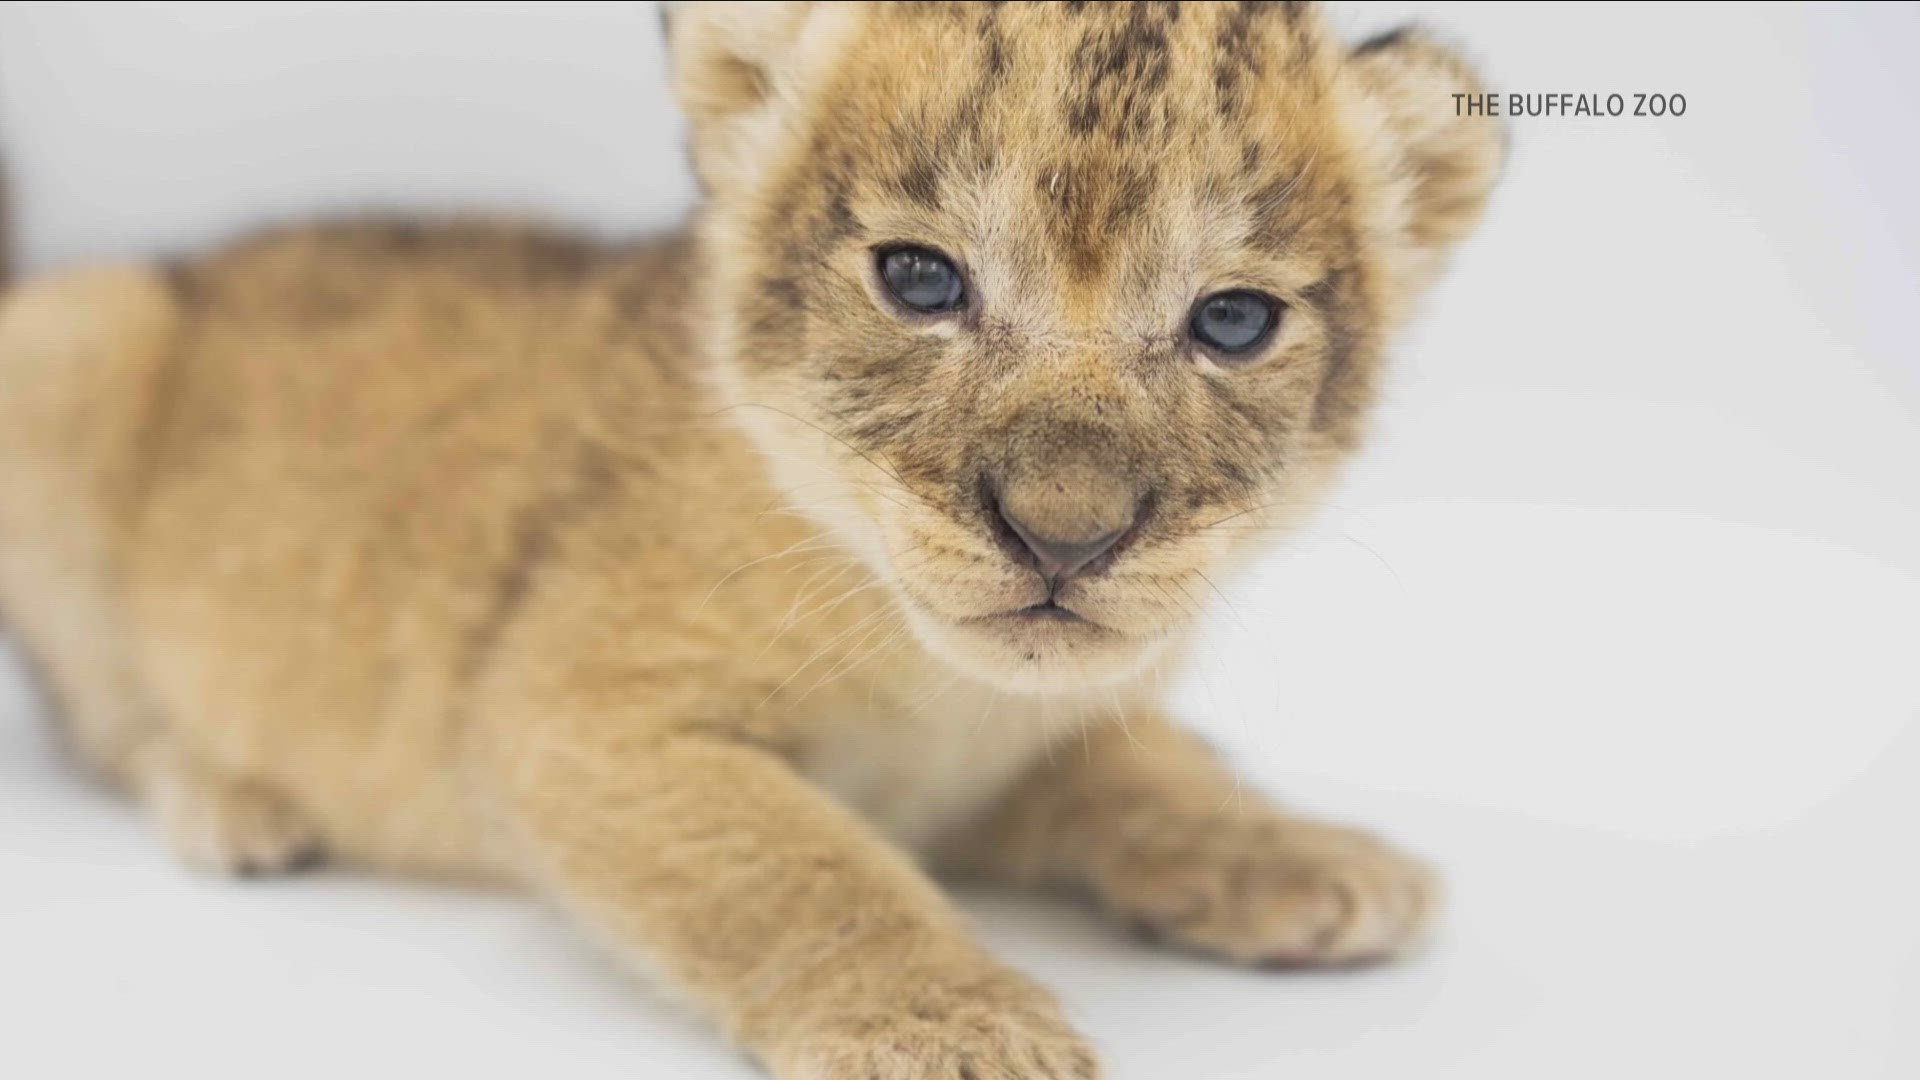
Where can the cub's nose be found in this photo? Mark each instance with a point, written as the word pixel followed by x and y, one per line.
pixel 1064 526
pixel 1061 560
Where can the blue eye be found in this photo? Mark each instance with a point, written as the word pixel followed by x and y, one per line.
pixel 922 279
pixel 1234 322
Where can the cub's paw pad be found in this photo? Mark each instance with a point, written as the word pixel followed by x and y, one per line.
pixel 227 827
pixel 1275 892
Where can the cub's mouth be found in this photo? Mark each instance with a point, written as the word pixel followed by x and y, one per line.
pixel 1025 639
pixel 1047 611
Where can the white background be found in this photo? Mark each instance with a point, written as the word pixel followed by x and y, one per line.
pixel 1618 620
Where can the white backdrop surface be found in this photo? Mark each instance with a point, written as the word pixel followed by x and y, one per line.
pixel 1618 619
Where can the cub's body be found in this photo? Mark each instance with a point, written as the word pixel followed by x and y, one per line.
pixel 715 588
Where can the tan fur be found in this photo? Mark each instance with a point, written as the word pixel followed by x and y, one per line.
pixel 658 578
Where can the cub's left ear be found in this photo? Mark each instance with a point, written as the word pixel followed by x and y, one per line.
pixel 739 68
pixel 1441 165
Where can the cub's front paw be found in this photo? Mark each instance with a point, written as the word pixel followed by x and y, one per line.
pixel 1270 890
pixel 933 1027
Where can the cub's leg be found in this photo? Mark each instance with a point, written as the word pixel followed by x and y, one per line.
pixel 84 358
pixel 823 949
pixel 1153 824
pixel 218 822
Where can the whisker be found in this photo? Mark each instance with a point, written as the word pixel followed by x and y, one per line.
pixel 854 657
pixel 823 608
pixel 1121 716
pixel 1381 559
pixel 981 720
pixel 798 545
pixel 822 651
pixel 805 593
pixel 928 698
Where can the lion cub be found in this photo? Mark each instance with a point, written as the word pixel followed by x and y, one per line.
pixel 710 586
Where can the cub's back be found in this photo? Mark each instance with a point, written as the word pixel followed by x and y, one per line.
pixel 279 491
pixel 347 357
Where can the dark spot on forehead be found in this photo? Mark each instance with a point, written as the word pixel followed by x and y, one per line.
pixel 996 55
pixel 1252 157
pixel 935 140
pixel 920 182
pixel 1237 61
pixel 1119 68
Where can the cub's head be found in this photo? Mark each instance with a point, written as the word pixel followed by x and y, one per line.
pixel 1053 311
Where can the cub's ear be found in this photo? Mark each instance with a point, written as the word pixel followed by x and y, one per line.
pixel 738 69
pixel 1442 165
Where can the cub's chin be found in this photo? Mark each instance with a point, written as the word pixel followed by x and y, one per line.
pixel 1043 649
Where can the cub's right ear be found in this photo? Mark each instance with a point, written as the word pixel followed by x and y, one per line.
pixel 739 70
pixel 1442 165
